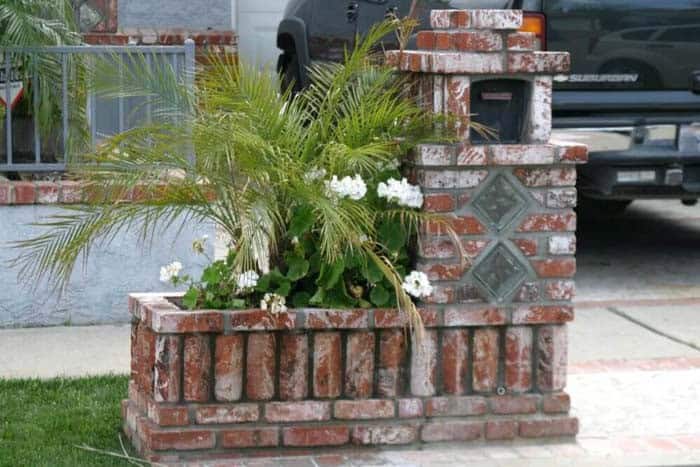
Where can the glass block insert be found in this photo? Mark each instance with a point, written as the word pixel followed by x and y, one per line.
pixel 499 203
pixel 500 272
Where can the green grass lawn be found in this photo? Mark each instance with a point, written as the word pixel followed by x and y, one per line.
pixel 41 422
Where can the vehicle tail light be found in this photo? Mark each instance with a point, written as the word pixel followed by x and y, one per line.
pixel 536 23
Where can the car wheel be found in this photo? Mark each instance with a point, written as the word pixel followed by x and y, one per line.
pixel 289 69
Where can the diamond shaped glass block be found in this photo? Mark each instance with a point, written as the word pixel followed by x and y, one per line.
pixel 499 203
pixel 500 272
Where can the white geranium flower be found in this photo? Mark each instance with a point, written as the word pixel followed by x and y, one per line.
pixel 401 192
pixel 247 280
pixel 417 284
pixel 273 302
pixel 170 271
pixel 347 187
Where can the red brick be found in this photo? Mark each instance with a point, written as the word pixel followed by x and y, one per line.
pixel 301 411
pixel 167 370
pixel 71 192
pixel 197 374
pixel 501 429
pixel 549 428
pixel 463 315
pixel 507 405
pixel 455 361
pixel 449 19
pixel 457 103
pixel 528 246
pixel 410 408
pixel 436 248
pixel 424 364
pixel 250 437
pixel 228 368
pixel 451 431
pixel 231 413
pixel 5 193
pixel 573 152
pixel 553 268
pixel 476 41
pixel 538 314
pixel 384 434
pixel 260 366
pixel 473 248
pixel 485 365
pixel 425 40
pixel 392 358
pixel 262 320
pixel 518 358
pixel 561 198
pixel 546 177
pixel 145 359
pixel 336 319
pixel 521 41
pixel 164 415
pixel 438 202
pixel 183 440
pixel 560 290
pixel 327 365
pixel 446 179
pixel 364 409
pixel 25 193
pixel 46 192
pixel 455 406
pixel 539 62
pixel 441 271
pixel 393 318
pixel 522 154
pixel 559 402
pixel 466 225
pixel 294 367
pixel 471 155
pixel 434 155
pixel 315 436
pixel 359 365
pixel 441 294
pixel 552 345
pixel 496 19
pixel 165 320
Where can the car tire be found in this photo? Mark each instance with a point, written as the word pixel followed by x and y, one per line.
pixel 289 71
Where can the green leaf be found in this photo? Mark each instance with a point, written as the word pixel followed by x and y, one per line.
pixel 330 274
pixel 283 288
pixel 372 272
pixel 379 295
pixel 318 297
pixel 302 221
pixel 211 275
pixel 301 299
pixel 190 298
pixel 298 268
pixel 392 235
pixel 238 303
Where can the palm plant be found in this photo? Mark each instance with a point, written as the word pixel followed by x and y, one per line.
pixel 262 175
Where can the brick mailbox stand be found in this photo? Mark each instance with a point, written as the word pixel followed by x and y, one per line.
pixel 492 363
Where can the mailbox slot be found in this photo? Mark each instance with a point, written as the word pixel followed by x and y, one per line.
pixel 500 105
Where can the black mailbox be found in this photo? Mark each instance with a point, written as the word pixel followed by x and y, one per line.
pixel 500 105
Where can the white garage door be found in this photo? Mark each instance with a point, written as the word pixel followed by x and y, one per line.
pixel 257 30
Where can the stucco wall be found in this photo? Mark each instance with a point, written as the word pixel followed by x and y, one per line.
pixel 188 14
pixel 97 294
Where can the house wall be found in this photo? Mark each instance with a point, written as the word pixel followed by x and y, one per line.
pixel 187 14
pixel 97 294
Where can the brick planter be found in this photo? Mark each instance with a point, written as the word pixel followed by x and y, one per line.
pixel 492 364
pixel 230 383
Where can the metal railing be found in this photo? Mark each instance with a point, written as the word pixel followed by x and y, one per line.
pixel 104 116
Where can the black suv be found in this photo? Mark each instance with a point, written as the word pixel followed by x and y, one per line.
pixel 634 83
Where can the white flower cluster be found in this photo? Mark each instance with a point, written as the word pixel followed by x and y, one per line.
pixel 351 187
pixel 247 280
pixel 273 302
pixel 170 271
pixel 401 192
pixel 417 284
